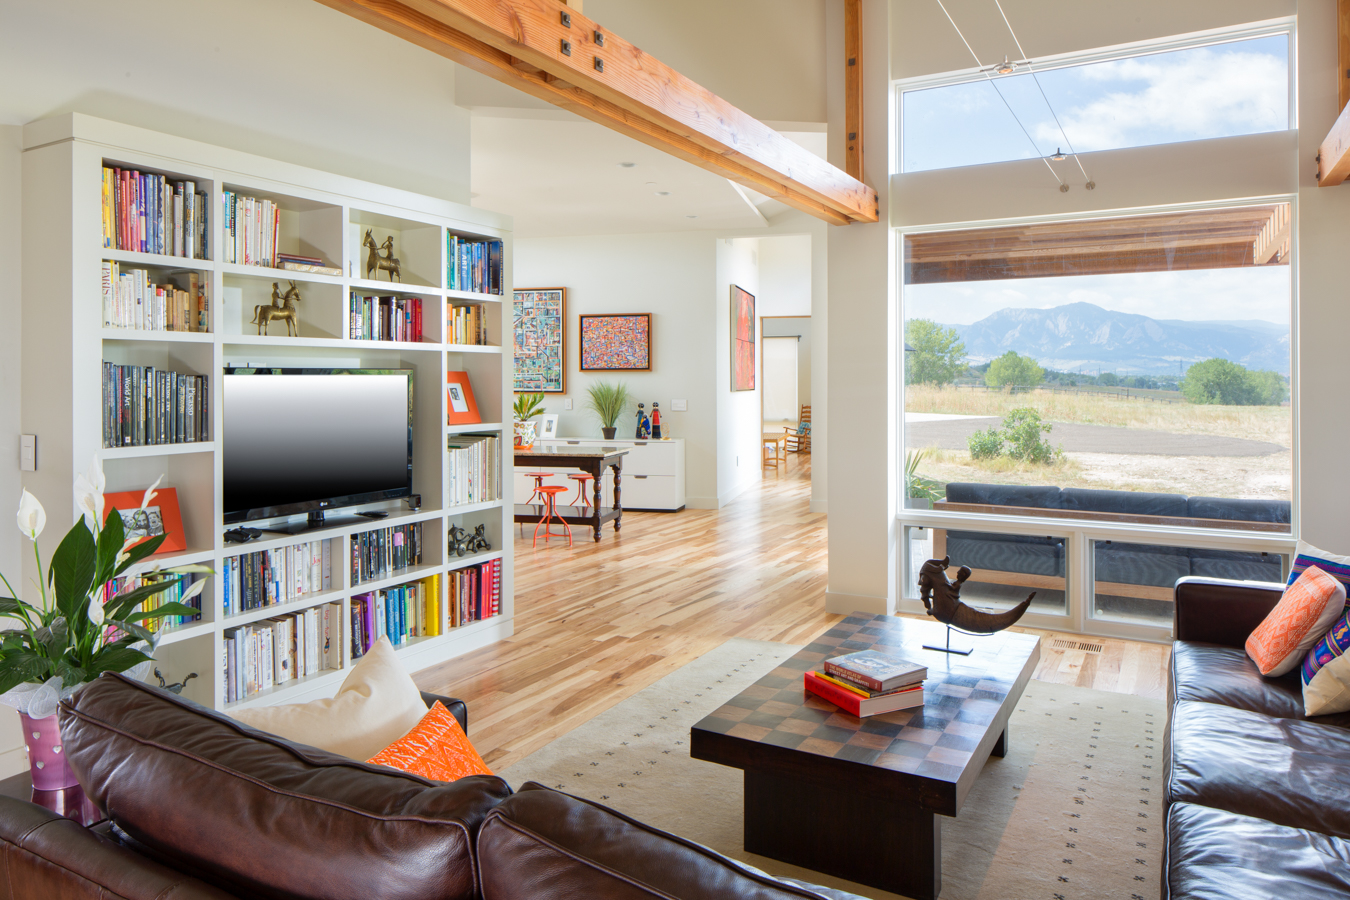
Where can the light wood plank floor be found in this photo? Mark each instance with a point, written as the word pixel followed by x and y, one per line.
pixel 599 622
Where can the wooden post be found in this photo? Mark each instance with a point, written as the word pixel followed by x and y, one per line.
pixel 853 88
pixel 1343 49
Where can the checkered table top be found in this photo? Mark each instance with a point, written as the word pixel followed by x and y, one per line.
pixel 967 701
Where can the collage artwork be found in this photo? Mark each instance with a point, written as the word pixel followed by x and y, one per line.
pixel 538 320
pixel 611 343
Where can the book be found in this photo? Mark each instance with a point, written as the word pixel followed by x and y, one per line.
pixel 875 671
pixel 855 704
pixel 311 268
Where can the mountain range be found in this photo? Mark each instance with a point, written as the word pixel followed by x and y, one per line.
pixel 1085 337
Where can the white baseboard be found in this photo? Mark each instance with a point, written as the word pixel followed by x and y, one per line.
pixel 732 493
pixel 849 603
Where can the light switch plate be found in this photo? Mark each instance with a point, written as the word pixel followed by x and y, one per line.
pixel 27 453
pixel 679 405
pixel 567 403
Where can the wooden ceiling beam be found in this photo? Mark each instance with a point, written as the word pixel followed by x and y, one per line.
pixel 551 51
pixel 853 89
pixel 1333 156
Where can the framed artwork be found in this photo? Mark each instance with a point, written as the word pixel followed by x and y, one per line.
pixel 460 407
pixel 742 339
pixel 550 427
pixel 160 517
pixel 537 318
pixel 616 343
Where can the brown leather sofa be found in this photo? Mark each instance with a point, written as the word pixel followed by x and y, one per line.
pixel 201 807
pixel 1254 791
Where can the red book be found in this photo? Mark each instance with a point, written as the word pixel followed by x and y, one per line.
pixel 856 704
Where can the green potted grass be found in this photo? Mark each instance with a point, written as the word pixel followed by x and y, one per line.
pixel 608 401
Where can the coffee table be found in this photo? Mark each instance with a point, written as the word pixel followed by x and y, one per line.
pixel 859 798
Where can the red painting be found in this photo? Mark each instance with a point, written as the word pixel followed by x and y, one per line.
pixel 742 339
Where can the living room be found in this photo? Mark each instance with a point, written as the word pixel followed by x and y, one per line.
pixel 347 119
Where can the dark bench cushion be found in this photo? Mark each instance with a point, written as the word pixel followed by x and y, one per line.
pixel 1216 855
pixel 1291 772
pixel 1148 564
pixel 1006 552
pixel 1134 503
pixel 1275 511
pixel 1237 564
pixel 1004 494
pixel 263 817
pixel 547 845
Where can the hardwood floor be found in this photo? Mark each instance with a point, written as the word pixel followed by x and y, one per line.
pixel 599 622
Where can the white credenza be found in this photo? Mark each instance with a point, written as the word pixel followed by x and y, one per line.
pixel 652 478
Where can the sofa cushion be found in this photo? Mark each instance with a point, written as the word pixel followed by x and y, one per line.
pixel 544 844
pixel 1305 612
pixel 1210 673
pixel 1289 771
pixel 1325 672
pixel 436 748
pixel 1004 494
pixel 1134 503
pixel 263 817
pixel 1306 556
pixel 1276 511
pixel 1216 855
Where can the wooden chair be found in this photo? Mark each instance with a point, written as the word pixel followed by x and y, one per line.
pixel 799 438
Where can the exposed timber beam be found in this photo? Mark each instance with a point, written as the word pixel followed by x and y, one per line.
pixel 549 50
pixel 1273 243
pixel 853 89
pixel 1333 157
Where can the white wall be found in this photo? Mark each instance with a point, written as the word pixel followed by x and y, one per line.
pixel 738 422
pixel 802 328
pixel 785 275
pixel 11 147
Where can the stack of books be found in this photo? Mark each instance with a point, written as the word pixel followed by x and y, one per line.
pixel 868 683
pixel 474 462
pixel 473 265
pixel 148 213
pixel 272 652
pixel 398 613
pixel 475 593
pixel 378 554
pixel 250 231
pixel 384 318
pixel 132 300
pixel 143 405
pixel 271 577
pixel 295 262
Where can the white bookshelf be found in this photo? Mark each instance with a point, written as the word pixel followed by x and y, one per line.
pixel 322 215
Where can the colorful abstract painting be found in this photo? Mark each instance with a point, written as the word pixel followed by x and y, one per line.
pixel 742 339
pixel 610 343
pixel 538 327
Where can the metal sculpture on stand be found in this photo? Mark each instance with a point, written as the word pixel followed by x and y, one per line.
pixel 375 262
pixel 174 688
pixel 942 599
pixel 283 307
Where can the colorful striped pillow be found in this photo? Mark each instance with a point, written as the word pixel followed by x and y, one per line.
pixel 1306 555
pixel 1326 672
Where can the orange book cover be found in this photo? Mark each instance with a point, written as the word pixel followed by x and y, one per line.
pixel 460 407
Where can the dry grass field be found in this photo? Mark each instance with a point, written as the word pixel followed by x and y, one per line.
pixel 1264 477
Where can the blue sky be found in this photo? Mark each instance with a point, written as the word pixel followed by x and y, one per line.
pixel 1183 95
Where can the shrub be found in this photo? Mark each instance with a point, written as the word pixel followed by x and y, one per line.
pixel 1225 383
pixel 1023 430
pixel 985 444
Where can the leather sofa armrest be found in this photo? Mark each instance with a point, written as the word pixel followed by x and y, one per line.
pixel 1220 611
pixel 45 856
pixel 458 708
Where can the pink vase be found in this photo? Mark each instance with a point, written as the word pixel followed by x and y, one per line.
pixel 42 740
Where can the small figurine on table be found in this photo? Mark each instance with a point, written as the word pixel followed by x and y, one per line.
pixel 656 422
pixel 644 427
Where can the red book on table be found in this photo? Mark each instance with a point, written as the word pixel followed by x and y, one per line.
pixel 858 705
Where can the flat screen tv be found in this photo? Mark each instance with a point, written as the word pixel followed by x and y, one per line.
pixel 312 440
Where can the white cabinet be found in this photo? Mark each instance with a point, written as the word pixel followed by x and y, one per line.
pixel 652 477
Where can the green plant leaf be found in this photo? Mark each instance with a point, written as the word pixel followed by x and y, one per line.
pixel 70 673
pixel 116 659
pixel 23 666
pixel 140 552
pixel 72 569
pixel 164 609
pixel 10 607
pixel 140 632
pixel 110 541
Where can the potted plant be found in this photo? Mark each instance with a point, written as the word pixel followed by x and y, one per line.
pixel 608 401
pixel 73 633
pixel 527 406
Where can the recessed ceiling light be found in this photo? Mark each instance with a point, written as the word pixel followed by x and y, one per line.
pixel 627 165
pixel 691 217
pixel 663 193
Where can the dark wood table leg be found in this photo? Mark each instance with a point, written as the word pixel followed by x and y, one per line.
pixel 844 832
pixel 597 470
pixel 618 503
pixel 1001 745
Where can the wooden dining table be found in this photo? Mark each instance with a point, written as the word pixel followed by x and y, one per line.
pixel 594 460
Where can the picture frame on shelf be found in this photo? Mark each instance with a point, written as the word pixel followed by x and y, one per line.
pixel 539 329
pixel 549 429
pixel 460 406
pixel 616 343
pixel 742 339
pixel 162 516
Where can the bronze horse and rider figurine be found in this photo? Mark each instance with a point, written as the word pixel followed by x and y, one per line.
pixel 375 262
pixel 283 308
pixel 942 600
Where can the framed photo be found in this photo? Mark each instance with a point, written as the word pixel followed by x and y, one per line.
pixel 460 407
pixel 550 429
pixel 160 517
pixel 538 324
pixel 742 339
pixel 616 343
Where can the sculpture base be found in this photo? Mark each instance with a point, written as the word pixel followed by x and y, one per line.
pixel 966 652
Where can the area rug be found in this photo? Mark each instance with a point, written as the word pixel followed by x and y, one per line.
pixel 1072 812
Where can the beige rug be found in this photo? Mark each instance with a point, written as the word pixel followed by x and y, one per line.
pixel 1071 813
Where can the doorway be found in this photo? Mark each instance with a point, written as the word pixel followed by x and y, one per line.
pixel 785 372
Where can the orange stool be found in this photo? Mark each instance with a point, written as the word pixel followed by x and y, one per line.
pixel 538 483
pixel 582 480
pixel 550 492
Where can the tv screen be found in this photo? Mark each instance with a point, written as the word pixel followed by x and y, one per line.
pixel 309 440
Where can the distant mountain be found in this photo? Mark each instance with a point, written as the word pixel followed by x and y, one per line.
pixel 1085 336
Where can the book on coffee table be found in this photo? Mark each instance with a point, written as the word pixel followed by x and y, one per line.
pixel 875 671
pixel 853 702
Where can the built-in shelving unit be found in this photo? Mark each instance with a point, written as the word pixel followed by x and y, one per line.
pixel 322 215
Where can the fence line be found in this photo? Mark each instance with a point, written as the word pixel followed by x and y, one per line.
pixel 1122 394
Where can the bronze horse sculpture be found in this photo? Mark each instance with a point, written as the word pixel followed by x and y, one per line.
pixel 283 308
pixel 942 599
pixel 375 262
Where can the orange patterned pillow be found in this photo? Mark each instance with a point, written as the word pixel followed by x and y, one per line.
pixel 436 748
pixel 1304 614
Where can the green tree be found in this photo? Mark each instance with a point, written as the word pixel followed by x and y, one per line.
pixel 1270 387
pixel 1219 381
pixel 937 355
pixel 1108 379
pixel 1011 369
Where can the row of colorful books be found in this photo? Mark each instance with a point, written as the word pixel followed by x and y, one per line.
pixel 251 228
pixel 475 461
pixel 868 683
pixel 384 318
pixel 147 213
pixel 379 553
pixel 398 613
pixel 466 324
pixel 263 654
pixel 132 300
pixel 178 586
pixel 143 405
pixel 473 264
pixel 270 577
pixel 475 592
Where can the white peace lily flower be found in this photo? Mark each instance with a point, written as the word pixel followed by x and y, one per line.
pixel 151 493
pixel 96 610
pixel 89 494
pixel 32 517
pixel 194 590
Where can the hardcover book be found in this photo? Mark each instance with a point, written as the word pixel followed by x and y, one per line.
pixel 875 671
pixel 854 703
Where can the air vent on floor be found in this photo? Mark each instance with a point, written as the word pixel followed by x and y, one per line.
pixel 1062 644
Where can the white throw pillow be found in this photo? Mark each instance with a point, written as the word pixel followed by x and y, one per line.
pixel 377 704
pixel 1326 672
